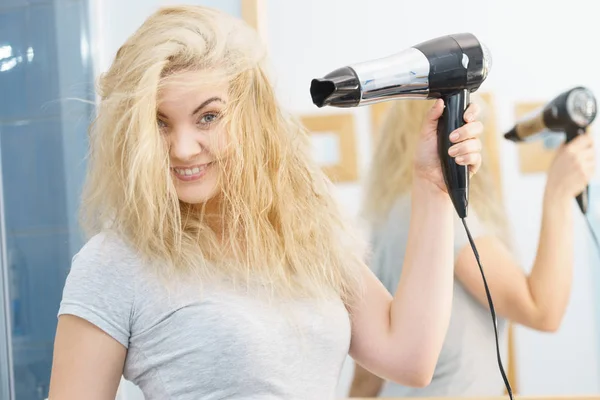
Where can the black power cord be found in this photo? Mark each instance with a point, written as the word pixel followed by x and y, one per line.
pixel 594 237
pixel 491 304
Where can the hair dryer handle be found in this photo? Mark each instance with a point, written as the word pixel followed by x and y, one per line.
pixel 456 176
pixel 583 197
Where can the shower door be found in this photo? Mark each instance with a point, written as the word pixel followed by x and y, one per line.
pixel 44 67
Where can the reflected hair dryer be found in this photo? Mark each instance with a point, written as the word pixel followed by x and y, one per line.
pixel 570 112
pixel 449 67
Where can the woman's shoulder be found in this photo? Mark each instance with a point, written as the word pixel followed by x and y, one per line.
pixel 101 285
pixel 106 244
pixel 108 250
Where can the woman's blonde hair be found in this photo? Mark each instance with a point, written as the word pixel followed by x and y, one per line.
pixel 391 171
pixel 281 225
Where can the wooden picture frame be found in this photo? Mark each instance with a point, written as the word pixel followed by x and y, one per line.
pixel 378 112
pixel 534 157
pixel 342 127
pixel 254 13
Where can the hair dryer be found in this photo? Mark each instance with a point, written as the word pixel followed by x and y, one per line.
pixel 449 67
pixel 570 112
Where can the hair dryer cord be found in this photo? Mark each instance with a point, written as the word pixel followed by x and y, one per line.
pixel 493 312
pixel 594 237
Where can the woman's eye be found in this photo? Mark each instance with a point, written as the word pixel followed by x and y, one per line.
pixel 161 124
pixel 208 118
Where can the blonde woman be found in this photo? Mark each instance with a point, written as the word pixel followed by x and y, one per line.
pixel 220 266
pixel 467 365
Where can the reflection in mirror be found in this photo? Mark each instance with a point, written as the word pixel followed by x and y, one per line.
pixel 560 362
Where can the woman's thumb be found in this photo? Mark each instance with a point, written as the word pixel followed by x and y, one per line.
pixel 434 113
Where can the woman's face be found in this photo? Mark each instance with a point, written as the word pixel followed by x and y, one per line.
pixel 190 120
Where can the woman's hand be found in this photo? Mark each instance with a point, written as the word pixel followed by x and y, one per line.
pixel 466 150
pixel 572 168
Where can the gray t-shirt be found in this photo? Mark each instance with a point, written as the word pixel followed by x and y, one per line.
pixel 467 364
pixel 211 343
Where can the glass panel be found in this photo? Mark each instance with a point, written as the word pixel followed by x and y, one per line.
pixel 44 64
pixel 5 347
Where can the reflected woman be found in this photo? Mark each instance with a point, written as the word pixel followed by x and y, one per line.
pixel 468 365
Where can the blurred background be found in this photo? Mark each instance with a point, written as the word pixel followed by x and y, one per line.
pixel 51 51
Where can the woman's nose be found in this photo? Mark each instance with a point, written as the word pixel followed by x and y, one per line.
pixel 184 144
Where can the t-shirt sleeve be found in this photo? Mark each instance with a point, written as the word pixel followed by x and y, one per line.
pixel 100 288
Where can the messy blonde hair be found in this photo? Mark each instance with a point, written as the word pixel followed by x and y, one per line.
pixel 391 171
pixel 280 224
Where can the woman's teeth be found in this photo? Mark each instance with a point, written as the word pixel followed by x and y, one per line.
pixel 189 171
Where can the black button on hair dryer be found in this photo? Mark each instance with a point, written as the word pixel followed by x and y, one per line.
pixel 570 112
pixel 449 67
